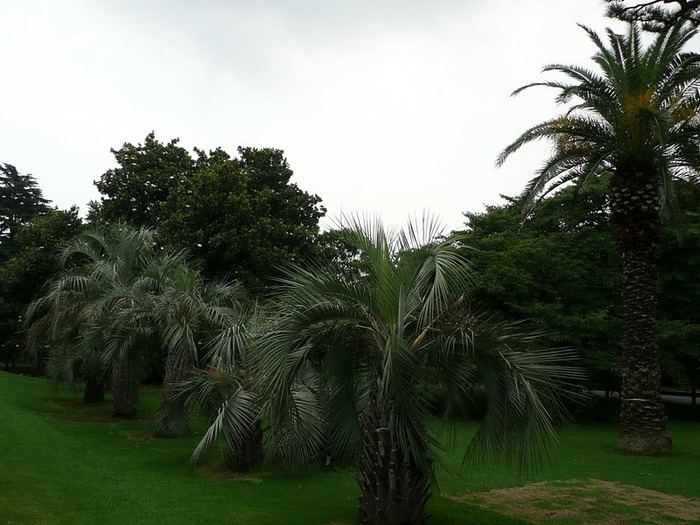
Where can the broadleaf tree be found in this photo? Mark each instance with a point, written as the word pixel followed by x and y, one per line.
pixel 134 191
pixel 242 217
pixel 539 268
pixel 239 216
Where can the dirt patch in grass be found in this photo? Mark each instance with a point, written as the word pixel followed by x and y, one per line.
pixel 589 501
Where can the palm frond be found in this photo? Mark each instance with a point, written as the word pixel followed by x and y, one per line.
pixel 225 398
pixel 524 388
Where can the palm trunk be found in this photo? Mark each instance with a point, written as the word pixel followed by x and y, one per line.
pixel 393 489
pixel 125 387
pixel 94 380
pixel 249 454
pixel 635 224
pixel 173 420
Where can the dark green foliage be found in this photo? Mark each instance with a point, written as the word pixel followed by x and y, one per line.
pixel 20 200
pixel 557 267
pixel 242 217
pixel 679 292
pixel 135 191
pixel 36 246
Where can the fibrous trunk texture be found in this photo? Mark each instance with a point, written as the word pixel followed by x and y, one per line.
pixel 635 224
pixel 393 490
pixel 125 387
pixel 249 454
pixel 172 418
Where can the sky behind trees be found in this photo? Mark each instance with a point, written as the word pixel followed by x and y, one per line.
pixel 388 107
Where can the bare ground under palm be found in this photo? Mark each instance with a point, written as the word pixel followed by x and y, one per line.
pixel 590 501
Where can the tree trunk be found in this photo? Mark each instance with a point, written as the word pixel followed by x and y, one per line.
pixel 636 226
pixel 172 420
pixel 94 381
pixel 248 455
pixel 125 387
pixel 393 490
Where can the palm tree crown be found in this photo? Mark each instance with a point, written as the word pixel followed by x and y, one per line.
pixel 641 109
pixel 349 351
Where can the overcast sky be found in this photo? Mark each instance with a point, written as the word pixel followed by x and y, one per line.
pixel 387 107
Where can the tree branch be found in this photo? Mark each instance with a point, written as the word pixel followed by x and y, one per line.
pixel 653 14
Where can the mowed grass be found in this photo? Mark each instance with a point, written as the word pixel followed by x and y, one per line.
pixel 63 463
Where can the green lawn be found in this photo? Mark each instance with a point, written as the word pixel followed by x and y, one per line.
pixel 61 463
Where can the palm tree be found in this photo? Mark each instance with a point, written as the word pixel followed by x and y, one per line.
pixel 224 393
pixel 637 118
pixel 349 350
pixel 120 297
pixel 225 397
pixel 55 322
pixel 186 314
pixel 89 308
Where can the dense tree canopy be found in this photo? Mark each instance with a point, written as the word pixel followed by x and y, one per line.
pixel 147 173
pixel 22 276
pixel 30 233
pixel 540 269
pixel 679 292
pixel 240 216
pixel 558 268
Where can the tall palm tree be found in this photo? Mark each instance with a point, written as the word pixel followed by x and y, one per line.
pixel 348 353
pixel 638 118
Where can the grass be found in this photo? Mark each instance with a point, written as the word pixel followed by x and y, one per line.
pixel 590 452
pixel 62 463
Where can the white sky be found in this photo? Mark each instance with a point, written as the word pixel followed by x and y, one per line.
pixel 386 107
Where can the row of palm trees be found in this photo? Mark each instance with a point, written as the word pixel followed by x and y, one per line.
pixel 120 298
pixel 336 364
